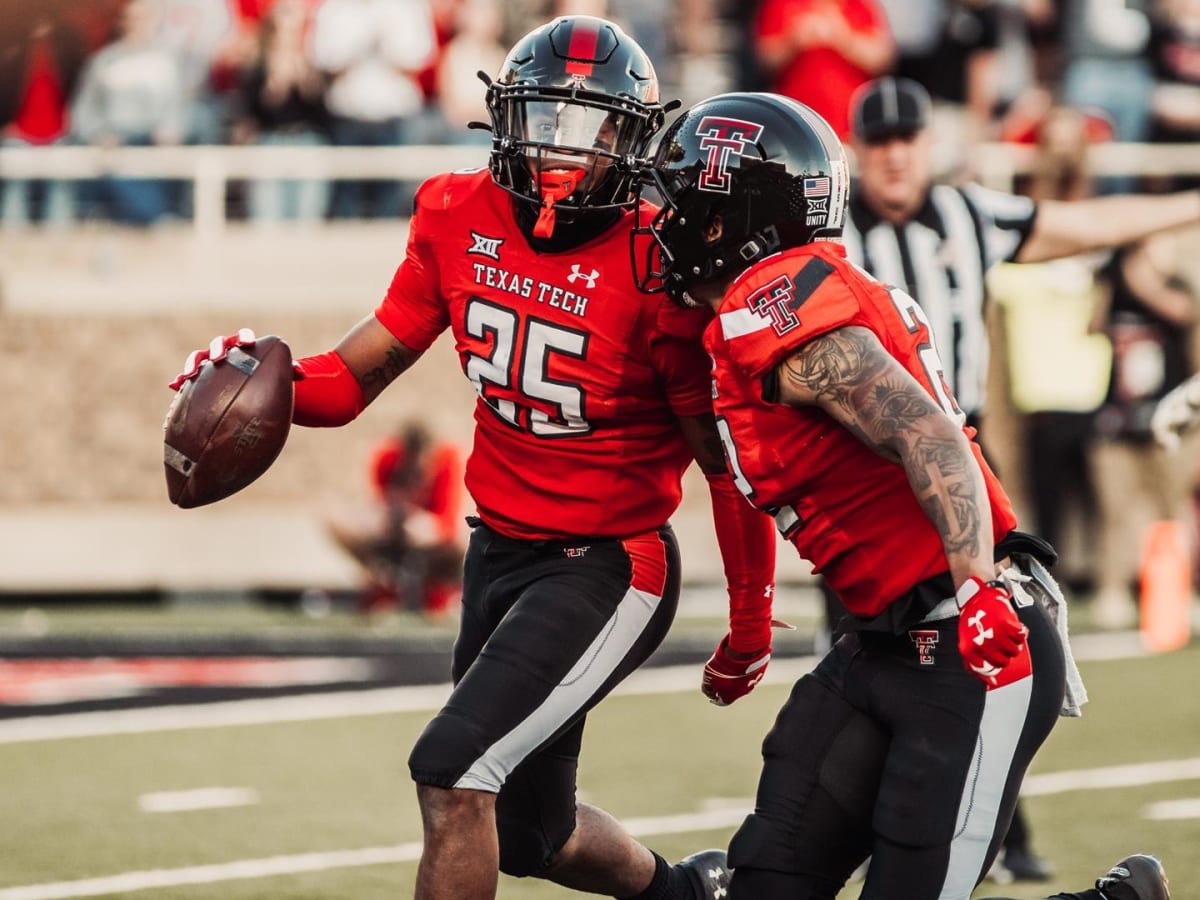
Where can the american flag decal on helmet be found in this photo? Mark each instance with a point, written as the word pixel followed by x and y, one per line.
pixel 817 187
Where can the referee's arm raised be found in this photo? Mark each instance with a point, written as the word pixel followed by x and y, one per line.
pixel 1066 228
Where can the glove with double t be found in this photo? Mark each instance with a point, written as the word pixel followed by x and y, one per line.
pixel 216 351
pixel 989 633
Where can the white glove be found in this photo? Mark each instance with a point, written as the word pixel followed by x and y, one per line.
pixel 218 348
pixel 1176 412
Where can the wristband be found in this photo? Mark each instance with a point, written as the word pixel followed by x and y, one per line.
pixel 327 393
pixel 973 586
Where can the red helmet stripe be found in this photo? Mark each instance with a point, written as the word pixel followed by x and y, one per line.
pixel 582 48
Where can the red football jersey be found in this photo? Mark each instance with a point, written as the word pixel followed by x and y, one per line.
pixel 847 510
pixel 580 376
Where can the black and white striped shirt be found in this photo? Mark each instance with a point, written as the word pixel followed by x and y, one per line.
pixel 940 257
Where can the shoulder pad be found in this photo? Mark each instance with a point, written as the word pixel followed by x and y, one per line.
pixel 451 189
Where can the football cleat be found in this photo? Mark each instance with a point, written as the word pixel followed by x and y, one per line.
pixel 1025 865
pixel 1138 877
pixel 708 873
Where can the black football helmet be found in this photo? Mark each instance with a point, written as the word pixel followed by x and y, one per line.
pixel 574 106
pixel 770 167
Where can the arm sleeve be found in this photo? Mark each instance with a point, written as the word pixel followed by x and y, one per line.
pixel 327 393
pixel 414 310
pixel 1004 221
pixel 746 538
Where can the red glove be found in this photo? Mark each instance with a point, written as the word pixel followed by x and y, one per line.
pixel 214 353
pixel 989 632
pixel 726 679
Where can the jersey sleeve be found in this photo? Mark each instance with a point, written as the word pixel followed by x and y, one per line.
pixel 1004 222
pixel 685 369
pixel 777 311
pixel 413 309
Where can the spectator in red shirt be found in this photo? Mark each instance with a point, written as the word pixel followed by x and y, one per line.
pixel 409 541
pixel 45 63
pixel 820 51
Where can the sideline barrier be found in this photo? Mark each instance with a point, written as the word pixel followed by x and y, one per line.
pixel 212 167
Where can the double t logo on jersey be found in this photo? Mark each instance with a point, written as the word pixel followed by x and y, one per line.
pixel 774 301
pixel 722 137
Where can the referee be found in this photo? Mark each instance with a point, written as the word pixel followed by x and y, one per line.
pixel 937 242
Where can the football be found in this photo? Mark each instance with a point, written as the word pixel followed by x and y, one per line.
pixel 227 425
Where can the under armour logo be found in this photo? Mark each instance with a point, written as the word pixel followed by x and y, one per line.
pixel 715 875
pixel 768 590
pixel 485 246
pixel 577 273
pixel 981 634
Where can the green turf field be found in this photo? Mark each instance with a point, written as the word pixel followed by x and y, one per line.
pixel 339 786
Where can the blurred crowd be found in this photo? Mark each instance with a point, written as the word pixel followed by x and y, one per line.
pixel 391 72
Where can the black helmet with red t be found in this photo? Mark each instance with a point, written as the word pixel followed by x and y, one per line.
pixel 574 105
pixel 773 172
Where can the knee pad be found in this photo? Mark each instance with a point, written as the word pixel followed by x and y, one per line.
pixel 446 749
pixel 535 814
pixel 525 850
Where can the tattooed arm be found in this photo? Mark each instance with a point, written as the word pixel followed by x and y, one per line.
pixel 374 356
pixel 849 375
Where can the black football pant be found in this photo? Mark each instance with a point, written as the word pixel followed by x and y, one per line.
pixel 914 764
pixel 548 629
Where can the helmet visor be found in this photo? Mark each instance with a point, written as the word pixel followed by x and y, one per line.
pixel 560 134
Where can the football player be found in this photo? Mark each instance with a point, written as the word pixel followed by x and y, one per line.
pixel 908 742
pixel 593 398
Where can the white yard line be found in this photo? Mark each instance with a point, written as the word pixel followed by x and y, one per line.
pixel 1133 775
pixel 725 815
pixel 1173 809
pixel 426 698
pixel 197 798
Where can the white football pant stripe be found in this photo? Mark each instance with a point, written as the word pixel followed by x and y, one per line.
pixel 599 661
pixel 1004 713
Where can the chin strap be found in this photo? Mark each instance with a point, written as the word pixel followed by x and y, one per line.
pixel 555 185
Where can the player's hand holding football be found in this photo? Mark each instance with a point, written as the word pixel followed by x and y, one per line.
pixel 989 633
pixel 217 349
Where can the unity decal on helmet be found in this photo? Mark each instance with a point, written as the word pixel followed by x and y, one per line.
pixel 721 137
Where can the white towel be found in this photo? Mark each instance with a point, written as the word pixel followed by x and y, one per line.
pixel 1051 597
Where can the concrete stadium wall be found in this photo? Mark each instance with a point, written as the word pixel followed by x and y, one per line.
pixel 94 323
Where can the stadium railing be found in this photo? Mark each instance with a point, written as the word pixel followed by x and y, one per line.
pixel 212 168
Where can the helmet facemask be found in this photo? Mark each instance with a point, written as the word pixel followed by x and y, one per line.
pixel 567 150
